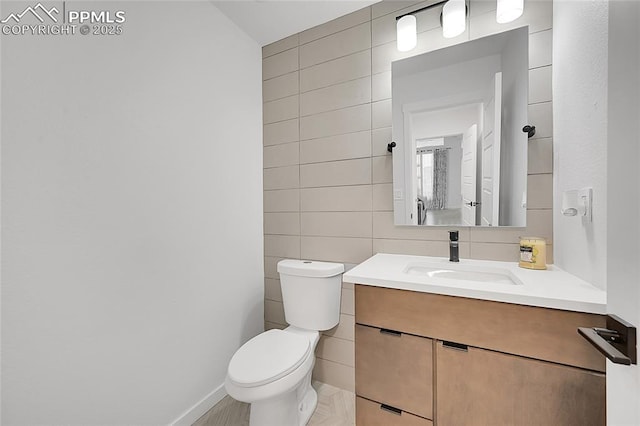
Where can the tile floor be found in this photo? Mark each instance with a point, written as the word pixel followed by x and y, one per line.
pixel 336 407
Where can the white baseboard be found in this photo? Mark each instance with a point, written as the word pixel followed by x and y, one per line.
pixel 205 404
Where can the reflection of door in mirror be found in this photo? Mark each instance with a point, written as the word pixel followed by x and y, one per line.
pixel 492 118
pixel 469 164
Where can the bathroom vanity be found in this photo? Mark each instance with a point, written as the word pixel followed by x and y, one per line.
pixel 447 344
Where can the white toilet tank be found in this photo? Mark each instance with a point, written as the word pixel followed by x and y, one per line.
pixel 311 293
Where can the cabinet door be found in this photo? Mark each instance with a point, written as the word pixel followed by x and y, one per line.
pixel 369 413
pixel 395 369
pixel 480 387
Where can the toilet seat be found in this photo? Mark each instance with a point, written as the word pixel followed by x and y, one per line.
pixel 268 357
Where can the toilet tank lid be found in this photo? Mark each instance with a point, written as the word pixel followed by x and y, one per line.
pixel 309 268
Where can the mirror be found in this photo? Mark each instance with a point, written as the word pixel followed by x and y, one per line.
pixel 461 154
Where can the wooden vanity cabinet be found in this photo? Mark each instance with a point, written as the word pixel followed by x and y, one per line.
pixel 459 361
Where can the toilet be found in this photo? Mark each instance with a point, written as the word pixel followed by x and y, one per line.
pixel 272 371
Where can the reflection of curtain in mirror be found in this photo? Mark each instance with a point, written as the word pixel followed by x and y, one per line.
pixel 438 199
pixel 425 173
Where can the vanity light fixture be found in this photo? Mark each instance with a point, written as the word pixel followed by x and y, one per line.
pixel 453 20
pixel 407 34
pixel 509 10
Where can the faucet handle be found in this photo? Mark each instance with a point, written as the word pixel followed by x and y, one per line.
pixel 453 235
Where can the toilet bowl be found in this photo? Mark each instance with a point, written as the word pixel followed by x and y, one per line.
pixel 272 371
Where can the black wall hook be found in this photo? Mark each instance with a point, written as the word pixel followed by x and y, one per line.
pixel 390 146
pixel 529 130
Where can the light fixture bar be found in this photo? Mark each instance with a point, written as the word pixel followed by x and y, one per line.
pixel 453 20
pixel 422 9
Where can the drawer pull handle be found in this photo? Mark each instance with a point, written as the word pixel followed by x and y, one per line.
pixel 390 409
pixel 456 346
pixel 391 332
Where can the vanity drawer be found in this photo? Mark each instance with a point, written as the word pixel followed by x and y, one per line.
pixel 541 333
pixel 369 413
pixel 480 387
pixel 395 369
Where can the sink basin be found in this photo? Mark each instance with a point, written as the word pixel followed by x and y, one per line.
pixel 463 272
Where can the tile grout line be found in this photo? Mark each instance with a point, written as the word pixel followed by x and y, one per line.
pixel 328 136
pixel 335 59
pixel 334 32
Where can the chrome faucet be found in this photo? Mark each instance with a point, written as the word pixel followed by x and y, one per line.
pixel 453 247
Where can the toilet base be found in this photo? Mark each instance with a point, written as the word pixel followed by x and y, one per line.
pixel 294 408
pixel 308 398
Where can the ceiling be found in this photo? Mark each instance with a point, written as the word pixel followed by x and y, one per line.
pixel 267 21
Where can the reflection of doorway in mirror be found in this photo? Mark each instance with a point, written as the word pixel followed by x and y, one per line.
pixel 461 185
pixel 438 201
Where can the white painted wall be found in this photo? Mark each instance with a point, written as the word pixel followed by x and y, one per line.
pixel 580 33
pixel 132 216
pixel 596 143
pixel 623 201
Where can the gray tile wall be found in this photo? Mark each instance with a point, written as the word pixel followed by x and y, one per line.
pixel 327 174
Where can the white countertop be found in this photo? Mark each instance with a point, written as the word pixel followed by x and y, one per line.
pixel 550 288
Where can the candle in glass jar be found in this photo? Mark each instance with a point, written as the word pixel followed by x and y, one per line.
pixel 533 253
